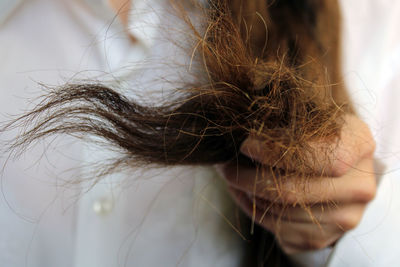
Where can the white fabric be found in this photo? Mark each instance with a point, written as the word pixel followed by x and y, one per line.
pixel 159 217
pixel 372 71
pixel 164 217
pixel 372 68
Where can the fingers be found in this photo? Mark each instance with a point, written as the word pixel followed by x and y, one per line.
pixel 345 216
pixel 357 185
pixel 313 212
pixel 300 229
pixel 332 158
pixel 300 237
pixel 342 216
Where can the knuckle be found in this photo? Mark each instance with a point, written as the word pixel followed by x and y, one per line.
pixel 367 146
pixel 366 142
pixel 315 244
pixel 302 246
pixel 289 250
pixel 365 192
pixel 349 223
pixel 355 145
pixel 342 165
pixel 344 161
pixel 370 145
pixel 349 217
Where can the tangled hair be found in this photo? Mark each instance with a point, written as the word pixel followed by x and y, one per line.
pixel 272 71
pixel 284 91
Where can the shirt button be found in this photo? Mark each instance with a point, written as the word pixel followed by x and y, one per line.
pixel 103 206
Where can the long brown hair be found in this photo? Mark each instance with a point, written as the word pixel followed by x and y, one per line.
pixel 268 68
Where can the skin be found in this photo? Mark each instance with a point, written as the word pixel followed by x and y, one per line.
pixel 317 215
pixel 311 217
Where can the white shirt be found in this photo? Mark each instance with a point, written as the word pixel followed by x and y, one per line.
pixel 371 68
pixel 164 217
pixel 158 217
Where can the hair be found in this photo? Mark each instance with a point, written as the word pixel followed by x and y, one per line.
pixel 271 68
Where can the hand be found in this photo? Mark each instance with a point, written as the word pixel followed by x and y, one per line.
pixel 314 214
